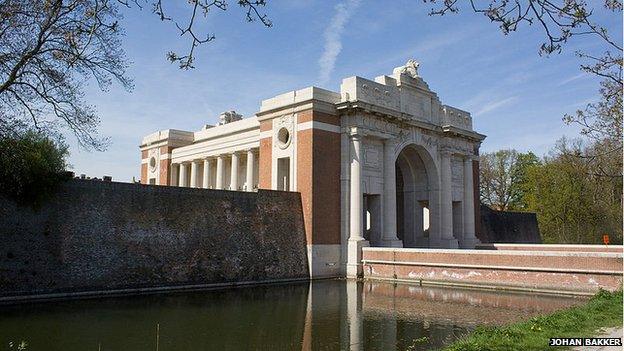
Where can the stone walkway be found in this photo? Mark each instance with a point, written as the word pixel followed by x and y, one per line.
pixel 608 333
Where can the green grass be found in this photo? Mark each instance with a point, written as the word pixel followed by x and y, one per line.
pixel 603 310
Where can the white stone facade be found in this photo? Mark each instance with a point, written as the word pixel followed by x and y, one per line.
pixel 386 154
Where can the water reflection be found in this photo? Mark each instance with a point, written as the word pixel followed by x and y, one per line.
pixel 323 315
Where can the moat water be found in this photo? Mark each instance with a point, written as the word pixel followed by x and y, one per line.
pixel 323 315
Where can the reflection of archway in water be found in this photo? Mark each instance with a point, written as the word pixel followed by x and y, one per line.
pixel 417 197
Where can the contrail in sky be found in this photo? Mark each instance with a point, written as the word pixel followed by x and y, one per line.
pixel 333 40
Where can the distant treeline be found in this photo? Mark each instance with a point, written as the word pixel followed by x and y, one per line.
pixel 576 190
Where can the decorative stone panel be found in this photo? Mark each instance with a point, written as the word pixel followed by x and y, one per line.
pixel 360 89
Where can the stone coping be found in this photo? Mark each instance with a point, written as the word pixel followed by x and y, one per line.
pixel 169 189
pixel 498 252
pixel 553 245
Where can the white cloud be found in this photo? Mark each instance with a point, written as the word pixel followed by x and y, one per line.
pixel 573 78
pixel 493 105
pixel 333 40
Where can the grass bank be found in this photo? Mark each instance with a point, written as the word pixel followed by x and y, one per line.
pixel 602 310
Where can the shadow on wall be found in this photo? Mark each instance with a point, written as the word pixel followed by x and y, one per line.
pixel 508 227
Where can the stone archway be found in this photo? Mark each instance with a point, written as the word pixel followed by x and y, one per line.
pixel 417 197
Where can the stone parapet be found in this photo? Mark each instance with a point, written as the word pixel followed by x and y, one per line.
pixel 558 272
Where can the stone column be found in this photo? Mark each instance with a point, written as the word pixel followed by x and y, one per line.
pixel 194 173
pixel 389 237
pixel 250 169
pixel 469 240
pixel 234 172
pixel 183 168
pixel 206 175
pixel 447 240
pixel 356 238
pixel 219 180
pixel 355 217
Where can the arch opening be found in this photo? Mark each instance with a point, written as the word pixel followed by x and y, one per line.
pixel 416 192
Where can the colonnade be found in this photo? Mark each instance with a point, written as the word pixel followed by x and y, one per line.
pixel 180 172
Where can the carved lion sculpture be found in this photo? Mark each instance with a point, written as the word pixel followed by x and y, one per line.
pixel 410 68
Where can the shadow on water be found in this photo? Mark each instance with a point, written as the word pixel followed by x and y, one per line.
pixel 323 315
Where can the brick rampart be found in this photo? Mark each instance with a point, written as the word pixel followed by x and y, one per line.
pixel 100 236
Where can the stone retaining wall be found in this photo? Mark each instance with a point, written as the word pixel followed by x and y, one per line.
pixel 560 272
pixel 104 236
pixel 508 227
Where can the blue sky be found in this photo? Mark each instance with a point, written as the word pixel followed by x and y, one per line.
pixel 516 97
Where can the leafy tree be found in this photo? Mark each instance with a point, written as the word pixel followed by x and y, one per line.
pixel 503 178
pixel 574 201
pixel 50 48
pixel 31 166
pixel 601 122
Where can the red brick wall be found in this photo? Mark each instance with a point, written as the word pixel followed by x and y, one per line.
pixel 306 116
pixel 326 205
pixel 264 159
pixel 143 173
pixel 165 166
pixel 163 177
pixel 304 179
pixel 143 167
pixel 318 178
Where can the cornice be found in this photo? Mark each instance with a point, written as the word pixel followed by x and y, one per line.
pixel 299 106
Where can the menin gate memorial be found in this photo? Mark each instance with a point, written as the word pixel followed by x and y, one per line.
pixel 380 163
